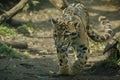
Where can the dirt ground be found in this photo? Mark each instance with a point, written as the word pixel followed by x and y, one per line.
pixel 42 61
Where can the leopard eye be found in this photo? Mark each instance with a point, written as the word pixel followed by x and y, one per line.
pixel 75 24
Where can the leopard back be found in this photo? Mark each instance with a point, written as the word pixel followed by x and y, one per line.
pixel 72 24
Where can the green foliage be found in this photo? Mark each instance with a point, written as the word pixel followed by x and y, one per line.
pixel 26 29
pixel 6 31
pixel 113 58
pixel 7 50
pixel 30 4
pixel 26 54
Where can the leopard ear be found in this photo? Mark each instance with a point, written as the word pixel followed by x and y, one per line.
pixel 54 21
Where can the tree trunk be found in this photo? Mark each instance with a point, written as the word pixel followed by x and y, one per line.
pixel 9 14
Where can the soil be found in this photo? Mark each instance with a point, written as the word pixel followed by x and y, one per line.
pixel 42 60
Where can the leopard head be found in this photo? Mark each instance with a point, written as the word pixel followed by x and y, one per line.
pixel 62 32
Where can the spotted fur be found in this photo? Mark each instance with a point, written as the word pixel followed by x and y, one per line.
pixel 72 30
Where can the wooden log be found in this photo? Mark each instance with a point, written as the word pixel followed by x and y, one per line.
pixel 9 14
pixel 59 4
pixel 15 44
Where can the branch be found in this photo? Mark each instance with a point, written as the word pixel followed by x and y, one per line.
pixel 7 15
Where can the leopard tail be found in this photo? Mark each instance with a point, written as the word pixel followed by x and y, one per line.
pixel 102 32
